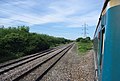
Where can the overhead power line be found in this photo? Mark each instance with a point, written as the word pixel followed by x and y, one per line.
pixel 15 5
pixel 12 12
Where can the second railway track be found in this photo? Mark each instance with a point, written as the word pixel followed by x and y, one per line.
pixel 28 56
pixel 6 67
pixel 35 69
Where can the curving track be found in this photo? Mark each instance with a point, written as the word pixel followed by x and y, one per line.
pixel 32 67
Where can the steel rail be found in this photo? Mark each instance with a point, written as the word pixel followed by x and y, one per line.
pixel 38 65
pixel 24 62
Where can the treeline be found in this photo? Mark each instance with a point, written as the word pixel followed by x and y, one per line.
pixel 18 41
pixel 84 40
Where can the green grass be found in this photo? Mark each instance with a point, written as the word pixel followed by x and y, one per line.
pixel 84 47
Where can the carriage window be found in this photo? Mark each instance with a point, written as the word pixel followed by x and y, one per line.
pixel 102 47
pixel 103 40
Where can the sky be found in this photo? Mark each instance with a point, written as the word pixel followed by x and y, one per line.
pixel 59 18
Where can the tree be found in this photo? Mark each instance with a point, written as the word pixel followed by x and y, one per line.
pixel 87 39
pixel 18 41
pixel 79 39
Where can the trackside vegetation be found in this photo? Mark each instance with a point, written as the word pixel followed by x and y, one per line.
pixel 84 44
pixel 16 42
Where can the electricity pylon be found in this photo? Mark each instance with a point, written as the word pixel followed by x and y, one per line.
pixel 85 30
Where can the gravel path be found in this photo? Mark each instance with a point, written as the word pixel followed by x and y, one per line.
pixel 73 67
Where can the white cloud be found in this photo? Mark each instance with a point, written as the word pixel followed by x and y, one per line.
pixel 77 21
pixel 73 13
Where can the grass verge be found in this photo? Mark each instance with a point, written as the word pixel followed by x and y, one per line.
pixel 83 47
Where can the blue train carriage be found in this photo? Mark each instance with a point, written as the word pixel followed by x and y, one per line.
pixel 107 42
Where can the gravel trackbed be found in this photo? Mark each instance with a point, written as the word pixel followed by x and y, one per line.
pixel 73 67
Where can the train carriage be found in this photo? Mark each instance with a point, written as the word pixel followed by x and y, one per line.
pixel 107 41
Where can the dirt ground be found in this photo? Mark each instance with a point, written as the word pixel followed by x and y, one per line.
pixel 73 67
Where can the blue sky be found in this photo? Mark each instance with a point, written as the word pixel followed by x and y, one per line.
pixel 60 18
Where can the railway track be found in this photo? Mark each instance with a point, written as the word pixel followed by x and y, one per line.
pixel 29 56
pixel 33 67
pixel 6 67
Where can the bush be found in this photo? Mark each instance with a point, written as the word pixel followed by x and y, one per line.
pixel 18 41
pixel 87 39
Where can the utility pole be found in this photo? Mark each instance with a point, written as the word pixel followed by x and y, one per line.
pixel 85 30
